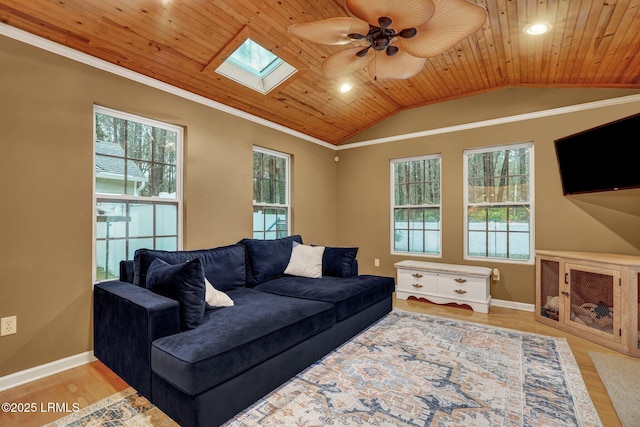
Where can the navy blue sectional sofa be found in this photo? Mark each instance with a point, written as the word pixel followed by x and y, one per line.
pixel 202 365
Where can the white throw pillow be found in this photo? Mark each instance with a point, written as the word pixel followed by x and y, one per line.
pixel 305 261
pixel 214 297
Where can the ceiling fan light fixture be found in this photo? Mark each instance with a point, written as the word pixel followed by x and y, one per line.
pixel 384 22
pixel 537 28
pixel 362 53
pixel 409 31
pixel 380 43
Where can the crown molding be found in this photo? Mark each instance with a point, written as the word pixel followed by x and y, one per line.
pixel 100 64
pixel 58 49
pixel 499 121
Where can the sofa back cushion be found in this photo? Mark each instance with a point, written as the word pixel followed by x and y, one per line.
pixel 267 259
pixel 224 266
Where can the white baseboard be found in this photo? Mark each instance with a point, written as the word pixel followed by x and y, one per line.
pixel 512 304
pixel 38 372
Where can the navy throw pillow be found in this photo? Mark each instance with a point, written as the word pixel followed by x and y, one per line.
pixel 338 262
pixel 182 282
pixel 267 259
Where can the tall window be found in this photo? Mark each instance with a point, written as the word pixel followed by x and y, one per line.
pixel 137 188
pixel 271 215
pixel 415 207
pixel 499 205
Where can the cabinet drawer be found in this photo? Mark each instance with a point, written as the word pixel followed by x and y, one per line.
pixel 416 281
pixel 463 287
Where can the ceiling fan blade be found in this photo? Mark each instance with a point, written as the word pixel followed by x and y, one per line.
pixel 400 66
pixel 403 13
pixel 344 62
pixel 332 31
pixel 453 21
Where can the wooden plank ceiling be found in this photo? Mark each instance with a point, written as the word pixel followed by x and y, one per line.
pixel 180 42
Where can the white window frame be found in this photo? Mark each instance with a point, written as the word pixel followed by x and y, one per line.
pixel 394 206
pixel 178 201
pixel 531 203
pixel 287 204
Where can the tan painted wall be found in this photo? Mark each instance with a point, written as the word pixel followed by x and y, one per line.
pixel 603 222
pixel 46 147
pixel 45 214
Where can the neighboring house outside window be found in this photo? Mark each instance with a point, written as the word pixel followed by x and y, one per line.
pixel 416 206
pixel 271 192
pixel 137 188
pixel 499 210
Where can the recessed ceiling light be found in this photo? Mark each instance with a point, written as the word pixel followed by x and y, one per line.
pixel 537 28
pixel 345 87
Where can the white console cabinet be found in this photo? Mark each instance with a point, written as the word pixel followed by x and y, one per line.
pixel 445 283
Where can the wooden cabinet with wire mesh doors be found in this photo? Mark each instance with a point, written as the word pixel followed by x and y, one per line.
pixel 591 295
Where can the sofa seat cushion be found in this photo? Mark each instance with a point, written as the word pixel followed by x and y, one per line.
pixel 231 340
pixel 349 295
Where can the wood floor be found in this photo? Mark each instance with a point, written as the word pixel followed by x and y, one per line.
pixel 92 382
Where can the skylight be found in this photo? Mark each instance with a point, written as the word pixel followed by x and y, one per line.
pixel 255 67
pixel 255 59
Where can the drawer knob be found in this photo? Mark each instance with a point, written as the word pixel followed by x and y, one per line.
pixel 460 291
pixel 417 275
pixel 417 285
pixel 460 280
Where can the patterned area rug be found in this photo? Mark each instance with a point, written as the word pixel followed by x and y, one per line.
pixel 124 409
pixel 417 370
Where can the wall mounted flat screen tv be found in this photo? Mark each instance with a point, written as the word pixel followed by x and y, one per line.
pixel 604 158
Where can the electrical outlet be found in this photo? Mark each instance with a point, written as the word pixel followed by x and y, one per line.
pixel 8 325
pixel 376 262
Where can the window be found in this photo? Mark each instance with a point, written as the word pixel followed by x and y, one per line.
pixel 415 207
pixel 270 194
pixel 498 202
pixel 137 188
pixel 256 67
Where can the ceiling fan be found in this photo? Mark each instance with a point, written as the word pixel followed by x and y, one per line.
pixel 398 35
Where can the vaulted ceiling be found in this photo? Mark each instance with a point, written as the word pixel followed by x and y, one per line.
pixel 181 42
